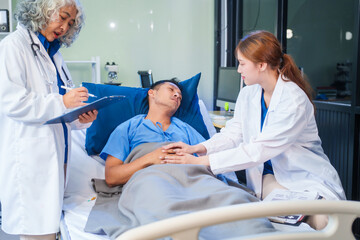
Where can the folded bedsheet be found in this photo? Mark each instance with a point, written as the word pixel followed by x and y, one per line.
pixel 162 191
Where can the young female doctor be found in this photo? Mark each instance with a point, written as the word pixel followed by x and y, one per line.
pixel 32 155
pixel 273 134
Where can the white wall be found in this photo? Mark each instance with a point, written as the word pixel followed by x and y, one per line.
pixel 173 38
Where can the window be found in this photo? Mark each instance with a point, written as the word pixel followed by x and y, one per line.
pixel 259 15
pixel 320 38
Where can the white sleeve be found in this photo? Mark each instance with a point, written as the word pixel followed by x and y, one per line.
pixel 284 127
pixel 76 125
pixel 230 136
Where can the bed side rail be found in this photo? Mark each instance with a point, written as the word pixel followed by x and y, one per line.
pixel 341 217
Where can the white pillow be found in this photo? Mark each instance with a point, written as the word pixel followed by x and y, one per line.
pixel 82 167
pixel 207 120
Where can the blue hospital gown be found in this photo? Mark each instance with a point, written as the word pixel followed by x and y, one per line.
pixel 138 130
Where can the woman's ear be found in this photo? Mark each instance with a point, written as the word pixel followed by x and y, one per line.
pixel 262 66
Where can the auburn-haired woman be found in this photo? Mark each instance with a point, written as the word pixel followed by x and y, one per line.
pixel 273 134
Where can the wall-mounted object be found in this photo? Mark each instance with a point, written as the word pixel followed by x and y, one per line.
pixel 4 20
pixel 113 70
pixel 146 79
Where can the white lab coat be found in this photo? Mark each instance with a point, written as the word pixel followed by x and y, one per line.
pixel 31 154
pixel 289 138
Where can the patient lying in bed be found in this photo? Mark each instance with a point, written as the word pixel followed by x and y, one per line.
pixel 140 190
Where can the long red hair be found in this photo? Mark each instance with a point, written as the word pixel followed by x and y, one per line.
pixel 263 46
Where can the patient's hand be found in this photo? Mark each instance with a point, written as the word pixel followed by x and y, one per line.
pixel 116 172
pixel 155 157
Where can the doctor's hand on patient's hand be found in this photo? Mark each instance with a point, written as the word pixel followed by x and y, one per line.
pixel 76 97
pixel 88 116
pixel 185 158
pixel 180 147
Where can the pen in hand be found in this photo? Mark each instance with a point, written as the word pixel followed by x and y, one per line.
pixel 68 88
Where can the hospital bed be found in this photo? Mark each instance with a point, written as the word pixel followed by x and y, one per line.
pixel 80 198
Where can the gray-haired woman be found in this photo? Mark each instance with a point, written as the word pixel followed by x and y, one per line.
pixel 32 77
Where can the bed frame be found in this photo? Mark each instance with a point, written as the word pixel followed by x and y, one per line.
pixel 341 217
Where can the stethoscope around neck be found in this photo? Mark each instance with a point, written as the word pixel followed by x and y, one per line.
pixel 35 47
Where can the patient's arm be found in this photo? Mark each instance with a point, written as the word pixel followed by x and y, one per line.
pixel 117 173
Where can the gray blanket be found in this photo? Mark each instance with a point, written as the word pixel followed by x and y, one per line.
pixel 162 191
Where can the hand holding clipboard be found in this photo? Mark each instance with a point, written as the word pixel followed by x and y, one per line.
pixel 96 105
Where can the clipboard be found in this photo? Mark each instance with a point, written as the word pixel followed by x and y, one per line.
pixel 96 105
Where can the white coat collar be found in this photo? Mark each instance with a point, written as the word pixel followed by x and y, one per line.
pixel 275 98
pixel 257 98
pixel 274 102
pixel 25 33
pixel 57 57
pixel 256 101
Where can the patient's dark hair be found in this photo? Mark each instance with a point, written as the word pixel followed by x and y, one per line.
pixel 157 84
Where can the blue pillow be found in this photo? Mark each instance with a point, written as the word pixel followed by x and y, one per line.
pixel 136 103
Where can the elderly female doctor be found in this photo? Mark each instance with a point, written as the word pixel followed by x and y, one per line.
pixel 32 155
pixel 273 134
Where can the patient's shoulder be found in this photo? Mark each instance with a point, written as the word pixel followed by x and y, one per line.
pixel 130 123
pixel 134 120
pixel 137 118
pixel 184 126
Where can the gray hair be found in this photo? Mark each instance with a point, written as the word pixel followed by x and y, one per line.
pixel 35 15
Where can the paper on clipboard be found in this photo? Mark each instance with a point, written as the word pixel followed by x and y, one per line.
pixel 96 105
pixel 282 194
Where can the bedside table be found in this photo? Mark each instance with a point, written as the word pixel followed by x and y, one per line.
pixel 219 118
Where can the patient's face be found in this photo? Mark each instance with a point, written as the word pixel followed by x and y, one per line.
pixel 168 94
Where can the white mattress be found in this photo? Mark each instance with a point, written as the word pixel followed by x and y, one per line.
pixel 79 193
